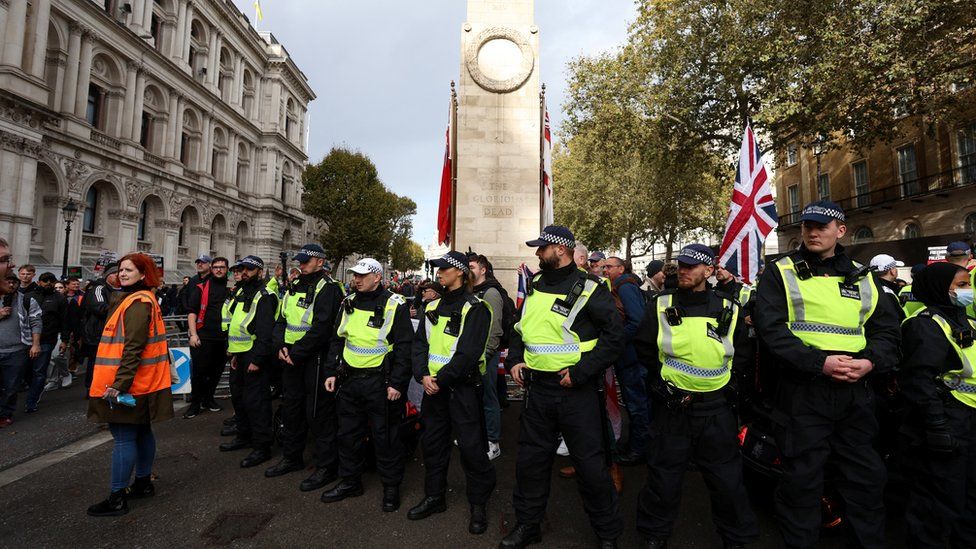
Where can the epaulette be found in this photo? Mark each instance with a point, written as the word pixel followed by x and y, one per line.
pixel 593 277
pixel 398 299
pixel 473 300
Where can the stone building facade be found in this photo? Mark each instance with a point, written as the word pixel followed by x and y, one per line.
pixel 175 127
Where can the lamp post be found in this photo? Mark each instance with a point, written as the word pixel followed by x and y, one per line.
pixel 70 210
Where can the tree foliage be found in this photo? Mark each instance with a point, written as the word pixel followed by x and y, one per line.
pixel 405 254
pixel 360 215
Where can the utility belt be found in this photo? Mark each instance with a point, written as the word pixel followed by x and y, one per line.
pixel 353 373
pixel 675 398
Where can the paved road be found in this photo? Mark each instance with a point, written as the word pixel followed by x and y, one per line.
pixel 205 499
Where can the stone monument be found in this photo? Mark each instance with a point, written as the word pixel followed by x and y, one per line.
pixel 498 135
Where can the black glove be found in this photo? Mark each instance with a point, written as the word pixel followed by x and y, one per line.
pixel 938 437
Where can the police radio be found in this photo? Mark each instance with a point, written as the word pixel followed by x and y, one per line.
pixel 857 274
pixel 453 327
pixel 725 321
pixel 672 315
pixel 964 338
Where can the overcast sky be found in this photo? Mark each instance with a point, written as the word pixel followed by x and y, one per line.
pixel 382 69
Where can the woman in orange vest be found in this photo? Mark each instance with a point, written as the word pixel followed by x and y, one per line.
pixel 132 359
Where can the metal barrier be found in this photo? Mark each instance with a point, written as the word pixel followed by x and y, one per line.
pixel 178 335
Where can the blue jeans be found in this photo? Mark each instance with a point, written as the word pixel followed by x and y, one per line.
pixel 135 446
pixel 11 366
pixel 39 374
pixel 493 410
pixel 631 378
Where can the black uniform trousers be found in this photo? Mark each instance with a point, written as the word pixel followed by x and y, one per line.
pixel 362 404
pixel 251 396
pixel 307 406
pixel 703 433
pixel 206 366
pixel 942 502
pixel 461 408
pixel 825 419
pixel 549 409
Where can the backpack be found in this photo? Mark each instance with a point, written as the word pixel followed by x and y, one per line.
pixel 508 313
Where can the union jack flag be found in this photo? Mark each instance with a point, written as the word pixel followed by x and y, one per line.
pixel 524 279
pixel 752 213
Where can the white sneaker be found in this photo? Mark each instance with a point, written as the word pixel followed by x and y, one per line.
pixel 494 450
pixel 51 385
pixel 563 450
pixel 67 381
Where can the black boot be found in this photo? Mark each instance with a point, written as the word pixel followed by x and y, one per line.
pixel 192 412
pixel 608 544
pixel 228 430
pixel 478 524
pixel 521 536
pixel 391 498
pixel 142 487
pixel 427 507
pixel 656 544
pixel 232 420
pixel 114 506
pixel 283 467
pixel 346 489
pixel 256 457
pixel 318 479
pixel 236 444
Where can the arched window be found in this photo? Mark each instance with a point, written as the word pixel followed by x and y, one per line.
pixel 143 215
pixel 863 234
pixel 912 230
pixel 181 238
pixel 91 211
pixel 971 224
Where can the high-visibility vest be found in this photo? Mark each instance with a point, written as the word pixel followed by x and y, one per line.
pixel 908 302
pixel 298 310
pixel 694 355
pixel 239 337
pixel 272 285
pixel 546 326
pixel 962 382
pixel 824 312
pixel 366 332
pixel 153 372
pixel 225 312
pixel 441 346
pixel 745 294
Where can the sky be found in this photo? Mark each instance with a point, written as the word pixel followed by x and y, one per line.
pixel 381 70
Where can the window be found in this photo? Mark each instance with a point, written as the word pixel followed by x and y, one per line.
pixel 967 154
pixel 971 224
pixel 861 183
pixel 91 210
pixel 93 114
pixel 288 127
pixel 215 165
pixel 144 136
pixel 908 170
pixel 184 147
pixel 864 234
pixel 791 154
pixel 284 189
pixel 823 186
pixel 109 6
pixel 154 27
pixel 794 194
pixel 141 228
pixel 181 236
pixel 241 174
pixel 193 54
pixel 912 230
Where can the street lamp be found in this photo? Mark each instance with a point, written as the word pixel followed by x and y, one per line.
pixel 70 210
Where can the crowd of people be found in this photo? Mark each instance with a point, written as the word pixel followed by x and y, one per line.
pixel 678 347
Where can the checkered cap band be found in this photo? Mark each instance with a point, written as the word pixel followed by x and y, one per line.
pixel 455 263
pixel 370 268
pixel 312 253
pixel 888 267
pixel 695 254
pixel 247 261
pixel 554 239
pixel 828 212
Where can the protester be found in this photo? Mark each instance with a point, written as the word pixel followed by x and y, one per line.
pixel 208 342
pixel 491 291
pixel 95 313
pixel 26 276
pixel 595 263
pixel 655 276
pixel 20 341
pixel 885 268
pixel 53 326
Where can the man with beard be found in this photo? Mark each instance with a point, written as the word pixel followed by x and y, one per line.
pixel 208 342
pixel 568 335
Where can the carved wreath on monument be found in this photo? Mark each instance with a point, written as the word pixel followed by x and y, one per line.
pixel 500 33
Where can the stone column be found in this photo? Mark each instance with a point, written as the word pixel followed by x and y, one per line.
pixel 186 33
pixel 213 71
pixel 274 113
pixel 206 144
pixel 129 103
pixel 237 89
pixel 147 18
pixel 71 70
pixel 175 126
pixel 230 170
pixel 135 18
pixel 13 34
pixel 42 18
pixel 84 74
pixel 140 103
pixel 58 92
pixel 179 29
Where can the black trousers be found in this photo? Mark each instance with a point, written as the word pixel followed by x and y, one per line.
pixel 88 353
pixel 363 404
pixel 704 433
pixel 307 406
pixel 548 410
pixel 942 502
pixel 251 396
pixel 828 420
pixel 206 366
pixel 459 408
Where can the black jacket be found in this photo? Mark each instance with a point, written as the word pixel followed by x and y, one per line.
pixel 401 336
pixel 470 346
pixel 317 340
pixel 598 320
pixel 54 315
pixel 890 292
pixel 217 292
pixel 770 319
pixel 95 311
pixel 926 355
pixel 262 327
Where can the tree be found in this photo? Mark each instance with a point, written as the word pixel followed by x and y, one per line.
pixel 405 254
pixel 360 214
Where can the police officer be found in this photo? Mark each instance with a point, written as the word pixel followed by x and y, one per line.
pixel 302 334
pixel 822 319
pixel 449 360
pixel 229 427
pixel 249 342
pixel 371 353
pixel 688 342
pixel 568 335
pixel 939 435
pixel 906 296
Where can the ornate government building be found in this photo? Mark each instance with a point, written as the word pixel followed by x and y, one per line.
pixel 172 125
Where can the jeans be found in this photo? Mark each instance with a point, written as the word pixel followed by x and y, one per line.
pixel 135 446
pixel 631 378
pixel 39 374
pixel 11 366
pixel 493 410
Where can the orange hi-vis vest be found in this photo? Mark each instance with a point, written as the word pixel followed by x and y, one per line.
pixel 153 373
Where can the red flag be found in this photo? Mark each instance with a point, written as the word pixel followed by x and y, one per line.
pixel 447 195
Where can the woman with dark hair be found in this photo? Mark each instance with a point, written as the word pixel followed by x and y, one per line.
pixel 449 359
pixel 131 382
pixel 936 377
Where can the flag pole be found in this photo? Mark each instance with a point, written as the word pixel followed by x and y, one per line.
pixel 453 142
pixel 542 160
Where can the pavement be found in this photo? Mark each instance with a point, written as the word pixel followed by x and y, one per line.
pixel 53 465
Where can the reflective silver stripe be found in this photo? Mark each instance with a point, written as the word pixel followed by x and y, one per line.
pixel 307 317
pixel 388 313
pixel 142 362
pixel 704 373
pixel 588 288
pixel 793 288
pixel 366 350
pixel 816 327
pixel 428 327
pixel 667 336
pixel 438 359
pixel 121 339
pixel 967 366
pixel 553 349
pixel 866 289
pixel 297 328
